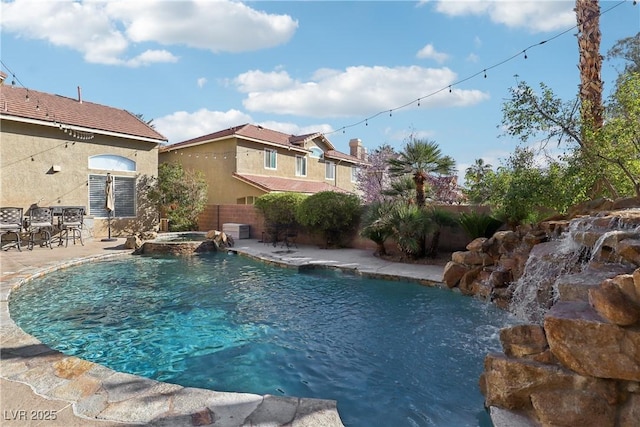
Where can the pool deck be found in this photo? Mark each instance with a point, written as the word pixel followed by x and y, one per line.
pixel 42 387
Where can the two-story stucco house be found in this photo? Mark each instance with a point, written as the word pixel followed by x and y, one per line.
pixel 244 162
pixel 56 151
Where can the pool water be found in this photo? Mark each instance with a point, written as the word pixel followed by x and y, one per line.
pixel 391 353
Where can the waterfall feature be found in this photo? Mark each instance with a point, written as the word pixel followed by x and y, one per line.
pixel 581 257
pixel 534 292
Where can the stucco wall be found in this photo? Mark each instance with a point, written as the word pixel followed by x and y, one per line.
pixel 28 152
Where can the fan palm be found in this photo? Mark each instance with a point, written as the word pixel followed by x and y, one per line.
pixel 419 159
pixel 410 224
pixel 376 226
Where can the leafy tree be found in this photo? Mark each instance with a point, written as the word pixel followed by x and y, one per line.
pixel 627 49
pixel 180 194
pixel 372 179
pixel 418 159
pixel 619 138
pixel 524 191
pixel 476 181
pixel 334 216
pixel 278 210
pixel 595 166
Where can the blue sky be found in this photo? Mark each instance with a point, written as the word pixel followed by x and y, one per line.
pixel 199 66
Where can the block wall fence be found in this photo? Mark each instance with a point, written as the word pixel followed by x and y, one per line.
pixel 214 216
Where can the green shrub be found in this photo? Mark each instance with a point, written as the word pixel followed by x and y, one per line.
pixel 333 216
pixel 376 226
pixel 479 224
pixel 411 225
pixel 279 212
pixel 181 195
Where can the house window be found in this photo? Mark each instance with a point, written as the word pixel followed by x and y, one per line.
pixel 270 158
pixel 354 174
pixel 316 153
pixel 301 166
pixel 112 162
pixel 124 196
pixel 330 170
pixel 249 200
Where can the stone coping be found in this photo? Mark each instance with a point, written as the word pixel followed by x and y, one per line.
pixel 99 393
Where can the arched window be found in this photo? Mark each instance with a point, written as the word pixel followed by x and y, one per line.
pixel 316 153
pixel 112 162
pixel 124 186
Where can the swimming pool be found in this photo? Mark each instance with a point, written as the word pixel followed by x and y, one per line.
pixel 390 353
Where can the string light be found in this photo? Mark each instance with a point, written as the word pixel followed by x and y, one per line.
pixel 74 133
pixel 483 72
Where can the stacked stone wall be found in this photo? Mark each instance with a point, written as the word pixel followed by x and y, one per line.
pixel 578 364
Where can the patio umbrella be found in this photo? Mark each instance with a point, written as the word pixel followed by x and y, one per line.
pixel 109 203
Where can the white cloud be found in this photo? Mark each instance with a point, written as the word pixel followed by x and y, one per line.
pixel 472 57
pixel 294 129
pixel 355 91
pixel 108 32
pixel 181 125
pixel 201 82
pixel 148 57
pixel 430 52
pixel 256 80
pixel 220 26
pixel 536 16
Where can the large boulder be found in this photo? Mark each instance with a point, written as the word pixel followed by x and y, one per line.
pixel 509 383
pixel 471 258
pixel 453 272
pixel 571 408
pixel 613 304
pixel 584 342
pixel 629 250
pixel 523 340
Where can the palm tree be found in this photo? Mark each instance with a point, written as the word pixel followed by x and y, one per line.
pixel 376 225
pixel 419 159
pixel 403 188
pixel 589 36
pixel 476 180
pixel 477 171
pixel 410 226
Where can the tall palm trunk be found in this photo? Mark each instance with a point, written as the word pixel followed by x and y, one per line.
pixel 590 65
pixel 420 178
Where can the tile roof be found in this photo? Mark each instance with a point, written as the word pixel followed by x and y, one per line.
pixel 266 136
pixel 44 108
pixel 277 184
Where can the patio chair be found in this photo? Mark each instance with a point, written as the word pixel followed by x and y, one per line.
pixel 11 223
pixel 290 236
pixel 40 222
pixel 71 222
